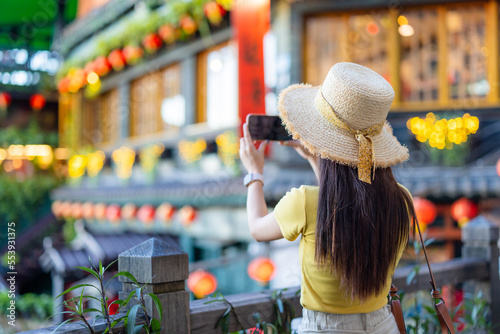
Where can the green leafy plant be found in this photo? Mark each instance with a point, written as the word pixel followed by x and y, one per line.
pixel 476 314
pixel 78 312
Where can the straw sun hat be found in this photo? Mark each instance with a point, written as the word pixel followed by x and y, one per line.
pixel 345 119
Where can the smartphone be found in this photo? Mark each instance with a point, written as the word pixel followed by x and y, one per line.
pixel 265 127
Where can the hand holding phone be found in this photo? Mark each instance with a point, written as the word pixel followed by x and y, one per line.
pixel 265 127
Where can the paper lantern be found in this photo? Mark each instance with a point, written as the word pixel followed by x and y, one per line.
pixel 113 213
pixel 5 100
pixel 101 66
pixel 100 211
pixel 214 12
pixel 132 54
pixel 201 283
pixel 425 210
pixel 165 212
pixel 88 210
pixel 146 214
pixel 167 33
pixel 66 209
pixel 261 269
pixel 63 85
pixel 188 25
pixel 76 210
pixel 37 102
pixel 56 208
pixel 152 42
pixel 129 211
pixel 498 167
pixel 187 215
pixel 117 59
pixel 464 210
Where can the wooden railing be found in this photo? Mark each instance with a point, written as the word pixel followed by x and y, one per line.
pixel 166 267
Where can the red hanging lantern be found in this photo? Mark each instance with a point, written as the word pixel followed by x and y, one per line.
pixel 63 85
pixel 113 213
pixel 66 209
pixel 76 210
pixel 201 283
pixel 101 66
pixel 100 211
pixel 37 102
pixel 498 167
pixel 117 60
pixel 464 210
pixel 88 210
pixel 188 215
pixel 425 210
pixel 167 33
pixel 188 25
pixel 132 54
pixel 165 212
pixel 129 211
pixel 146 214
pixel 214 12
pixel 56 208
pixel 261 269
pixel 5 100
pixel 152 42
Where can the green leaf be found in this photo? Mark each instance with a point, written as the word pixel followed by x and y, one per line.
pixel 91 309
pixel 90 271
pixel 63 323
pixel 101 271
pixel 157 302
pixel 280 305
pixel 155 325
pixel 137 329
pixel 125 274
pixel 131 318
pixel 77 287
pixel 109 265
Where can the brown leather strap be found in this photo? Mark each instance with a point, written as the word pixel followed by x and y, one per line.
pixel 442 312
pixel 397 310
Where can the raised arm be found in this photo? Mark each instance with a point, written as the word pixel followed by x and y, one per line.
pixel 263 225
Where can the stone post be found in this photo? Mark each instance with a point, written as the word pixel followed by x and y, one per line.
pixel 481 240
pixel 163 267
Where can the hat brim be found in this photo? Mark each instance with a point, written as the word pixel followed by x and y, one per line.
pixel 305 123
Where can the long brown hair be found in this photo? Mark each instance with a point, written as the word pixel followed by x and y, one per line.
pixel 360 227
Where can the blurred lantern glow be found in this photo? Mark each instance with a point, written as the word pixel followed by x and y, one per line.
pixel 77 210
pixel 100 211
pixel 56 208
pixel 464 210
pixel 201 283
pixel 372 28
pixel 190 151
pixel 146 214
pixel 187 215
pixel 61 153
pixel 402 20
pixel 228 146
pixel 92 78
pixel 76 166
pixel 425 210
pixel 88 210
pixel 165 212
pixel 406 30
pixel 113 213
pixel 124 159
pixel 498 167
pixel 261 269
pixel 95 162
pixel 66 209
pixel 150 156
pixel 129 211
pixel 5 100
pixel 37 102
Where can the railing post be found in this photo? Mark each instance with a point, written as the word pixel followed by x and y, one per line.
pixel 163 267
pixel 481 240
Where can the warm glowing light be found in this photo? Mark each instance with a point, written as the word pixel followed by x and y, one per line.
pixel 124 159
pixel 146 214
pixel 228 146
pixel 425 210
pixel 402 20
pixel 201 283
pixel 95 162
pixel 443 133
pixel 464 210
pixel 76 166
pixel 261 269
pixel 17 163
pixel 92 78
pixel 15 151
pixel 190 151
pixel 372 28
pixel 406 30
pixel 61 153
pixel 150 156
pixel 3 154
pixel 187 215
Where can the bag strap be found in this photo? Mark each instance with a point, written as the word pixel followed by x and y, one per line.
pixel 442 312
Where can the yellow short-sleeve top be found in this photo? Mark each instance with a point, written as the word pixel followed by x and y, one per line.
pixel 296 214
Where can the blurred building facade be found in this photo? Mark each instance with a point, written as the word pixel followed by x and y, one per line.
pixel 155 139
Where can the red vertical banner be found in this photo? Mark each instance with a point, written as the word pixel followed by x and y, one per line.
pixel 251 22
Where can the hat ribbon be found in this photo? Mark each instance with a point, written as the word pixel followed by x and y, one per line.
pixel 366 154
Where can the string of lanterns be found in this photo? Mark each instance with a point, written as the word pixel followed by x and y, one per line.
pixel 114 213
pixel 462 211
pixel 443 133
pixel 203 283
pixel 36 101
